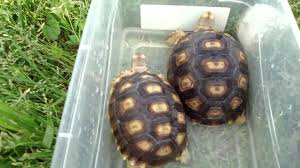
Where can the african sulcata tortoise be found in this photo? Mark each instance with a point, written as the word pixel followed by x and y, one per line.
pixel 209 71
pixel 147 118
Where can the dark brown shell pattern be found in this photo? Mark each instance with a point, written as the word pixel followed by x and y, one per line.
pixel 209 71
pixel 147 119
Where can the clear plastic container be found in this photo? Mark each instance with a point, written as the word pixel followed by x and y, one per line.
pixel 271 137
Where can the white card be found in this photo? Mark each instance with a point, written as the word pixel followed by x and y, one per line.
pixel 173 17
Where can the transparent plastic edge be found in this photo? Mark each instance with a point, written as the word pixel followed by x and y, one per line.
pixel 109 40
pixel 286 6
pixel 69 107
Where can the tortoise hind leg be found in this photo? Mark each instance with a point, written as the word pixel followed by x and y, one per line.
pixel 175 37
pixel 140 166
pixel 131 164
pixel 240 120
pixel 185 157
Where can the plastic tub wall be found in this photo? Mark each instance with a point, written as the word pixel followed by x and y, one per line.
pixel 271 137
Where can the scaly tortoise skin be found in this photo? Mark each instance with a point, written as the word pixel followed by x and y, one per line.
pixel 147 119
pixel 210 74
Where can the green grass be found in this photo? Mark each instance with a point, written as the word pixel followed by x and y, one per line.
pixel 38 43
pixel 295 5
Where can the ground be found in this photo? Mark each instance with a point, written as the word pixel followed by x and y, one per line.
pixel 38 43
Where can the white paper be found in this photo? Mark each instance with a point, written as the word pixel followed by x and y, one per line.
pixel 173 17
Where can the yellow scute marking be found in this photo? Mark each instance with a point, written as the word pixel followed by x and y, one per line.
pixel 181 59
pixel 127 104
pixel 194 103
pixel 163 129
pixel 180 138
pixel 153 88
pixel 215 112
pixel 125 87
pixel 242 56
pixel 243 82
pixel 213 44
pixel 186 83
pixel 176 98
pixel 164 151
pixel 236 102
pixel 217 91
pixel 218 65
pixel 159 107
pixel 144 145
pixel 135 126
pixel 181 118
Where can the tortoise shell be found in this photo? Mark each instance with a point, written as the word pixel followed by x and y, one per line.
pixel 210 74
pixel 147 119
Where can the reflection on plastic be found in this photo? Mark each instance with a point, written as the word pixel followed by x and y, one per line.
pixel 236 1
pixel 259 20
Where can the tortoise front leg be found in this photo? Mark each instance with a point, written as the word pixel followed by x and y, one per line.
pixel 175 37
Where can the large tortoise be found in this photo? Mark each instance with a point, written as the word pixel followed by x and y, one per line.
pixel 147 117
pixel 209 71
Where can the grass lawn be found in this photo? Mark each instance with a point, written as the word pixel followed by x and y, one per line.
pixel 38 43
pixel 295 5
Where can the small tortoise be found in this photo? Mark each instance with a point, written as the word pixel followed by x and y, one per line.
pixel 147 118
pixel 209 71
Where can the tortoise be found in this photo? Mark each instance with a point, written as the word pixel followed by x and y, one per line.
pixel 147 117
pixel 209 71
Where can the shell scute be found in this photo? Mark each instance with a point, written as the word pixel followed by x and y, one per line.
pixel 213 86
pixel 147 119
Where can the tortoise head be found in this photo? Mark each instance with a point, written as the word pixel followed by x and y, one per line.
pixel 206 22
pixel 139 63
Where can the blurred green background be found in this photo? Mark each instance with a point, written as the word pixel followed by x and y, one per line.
pixel 38 44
